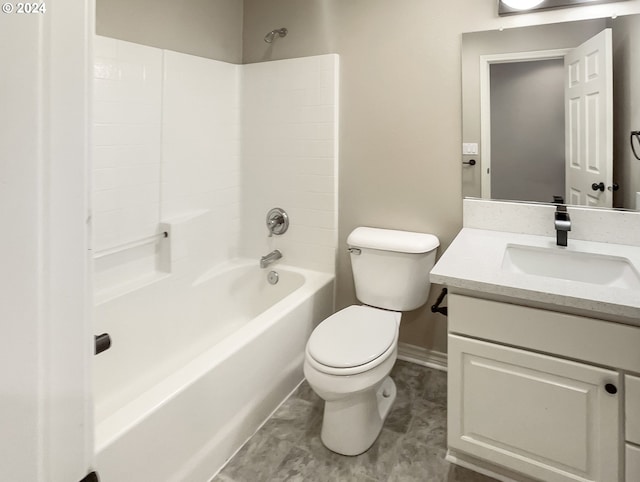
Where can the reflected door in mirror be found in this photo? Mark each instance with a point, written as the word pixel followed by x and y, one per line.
pixel 589 121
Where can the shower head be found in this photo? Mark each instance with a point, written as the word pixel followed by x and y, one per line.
pixel 281 32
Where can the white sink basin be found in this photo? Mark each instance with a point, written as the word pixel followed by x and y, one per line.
pixel 558 263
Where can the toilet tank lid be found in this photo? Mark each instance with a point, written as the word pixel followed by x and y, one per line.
pixel 392 240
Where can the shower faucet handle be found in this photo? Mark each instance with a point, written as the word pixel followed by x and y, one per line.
pixel 277 221
pixel 273 223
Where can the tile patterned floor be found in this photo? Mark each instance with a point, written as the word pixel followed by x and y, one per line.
pixel 411 446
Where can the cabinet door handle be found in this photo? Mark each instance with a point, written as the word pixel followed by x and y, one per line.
pixel 611 388
pixel 103 342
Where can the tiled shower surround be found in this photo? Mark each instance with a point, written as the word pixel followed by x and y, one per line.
pixel 127 142
pixel 207 148
pixel 289 157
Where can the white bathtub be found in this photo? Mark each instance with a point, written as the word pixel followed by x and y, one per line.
pixel 196 367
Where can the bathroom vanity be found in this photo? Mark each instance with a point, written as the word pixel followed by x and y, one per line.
pixel 544 352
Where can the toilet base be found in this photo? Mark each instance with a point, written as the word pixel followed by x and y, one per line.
pixel 351 425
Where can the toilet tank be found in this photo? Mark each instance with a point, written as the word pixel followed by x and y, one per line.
pixel 391 268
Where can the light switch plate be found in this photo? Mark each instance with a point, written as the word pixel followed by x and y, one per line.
pixel 469 148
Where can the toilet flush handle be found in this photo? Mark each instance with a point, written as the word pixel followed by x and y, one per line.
pixel 355 250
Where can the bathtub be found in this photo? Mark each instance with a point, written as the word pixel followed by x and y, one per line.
pixel 196 366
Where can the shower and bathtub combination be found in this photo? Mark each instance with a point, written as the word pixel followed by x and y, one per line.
pixel 205 343
pixel 183 388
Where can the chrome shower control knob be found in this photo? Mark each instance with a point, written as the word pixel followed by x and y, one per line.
pixel 277 221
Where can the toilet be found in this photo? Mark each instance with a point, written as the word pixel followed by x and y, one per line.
pixel 349 355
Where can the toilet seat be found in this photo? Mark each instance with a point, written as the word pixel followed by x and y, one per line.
pixel 353 340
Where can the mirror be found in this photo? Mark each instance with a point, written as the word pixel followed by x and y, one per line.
pixel 524 149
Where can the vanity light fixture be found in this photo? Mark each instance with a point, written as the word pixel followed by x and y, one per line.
pixel 522 4
pixel 510 7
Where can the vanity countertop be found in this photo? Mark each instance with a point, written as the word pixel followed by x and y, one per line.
pixel 473 262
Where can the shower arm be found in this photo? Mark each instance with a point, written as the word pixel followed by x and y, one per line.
pixel 281 32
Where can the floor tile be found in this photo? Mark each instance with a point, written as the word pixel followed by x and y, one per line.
pixel 411 446
pixel 257 460
pixel 409 379
pixel 293 419
pixel 418 462
pixel 374 464
pixel 300 465
pixel 399 417
pixel 436 387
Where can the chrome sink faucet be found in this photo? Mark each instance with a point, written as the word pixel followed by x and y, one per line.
pixel 562 224
pixel 270 258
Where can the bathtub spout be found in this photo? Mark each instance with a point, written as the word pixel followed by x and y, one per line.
pixel 270 258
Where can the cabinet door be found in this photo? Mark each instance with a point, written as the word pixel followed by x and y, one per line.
pixel 633 463
pixel 632 409
pixel 548 418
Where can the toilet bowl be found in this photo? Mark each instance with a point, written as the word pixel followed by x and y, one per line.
pixel 349 369
pixel 349 355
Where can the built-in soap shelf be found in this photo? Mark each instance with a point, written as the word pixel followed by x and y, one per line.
pixel 128 267
pixel 131 266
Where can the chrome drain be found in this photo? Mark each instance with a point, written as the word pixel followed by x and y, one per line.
pixel 273 277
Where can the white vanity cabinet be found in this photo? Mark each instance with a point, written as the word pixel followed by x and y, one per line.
pixel 544 344
pixel 542 393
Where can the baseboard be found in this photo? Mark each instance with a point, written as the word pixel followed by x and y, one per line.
pixel 422 356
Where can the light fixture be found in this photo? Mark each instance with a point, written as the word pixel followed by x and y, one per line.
pixel 511 7
pixel 522 4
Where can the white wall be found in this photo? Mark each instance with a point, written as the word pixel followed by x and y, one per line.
pixel 127 118
pixel 19 296
pixel 46 339
pixel 179 141
pixel 201 151
pixel 166 150
pixel 290 152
